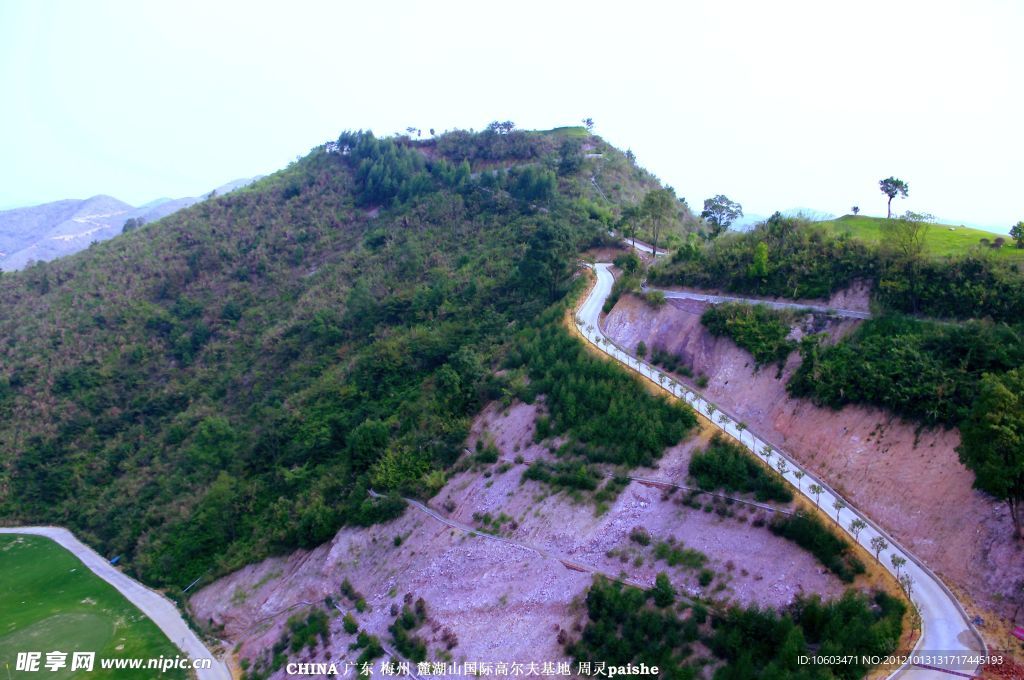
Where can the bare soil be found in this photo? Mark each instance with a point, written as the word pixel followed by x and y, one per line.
pixel 910 481
pixel 504 602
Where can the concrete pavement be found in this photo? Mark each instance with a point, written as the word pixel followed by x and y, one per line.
pixel 158 608
pixel 946 629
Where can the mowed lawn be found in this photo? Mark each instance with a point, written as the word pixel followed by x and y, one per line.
pixel 50 601
pixel 941 239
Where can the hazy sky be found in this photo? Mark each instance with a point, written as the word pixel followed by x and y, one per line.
pixel 776 104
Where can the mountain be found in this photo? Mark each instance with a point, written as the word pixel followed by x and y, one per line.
pixel 45 232
pixel 258 374
pixel 228 382
pixel 50 230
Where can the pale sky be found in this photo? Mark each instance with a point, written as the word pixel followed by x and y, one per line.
pixel 775 104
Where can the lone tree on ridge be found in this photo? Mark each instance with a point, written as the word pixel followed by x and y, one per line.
pixel 892 188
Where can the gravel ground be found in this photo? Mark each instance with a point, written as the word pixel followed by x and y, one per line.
pixel 503 602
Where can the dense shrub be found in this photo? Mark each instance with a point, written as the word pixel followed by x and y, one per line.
pixel 624 626
pixel 598 403
pixel 759 329
pixel 564 475
pixel 962 287
pixel 760 643
pixel 783 256
pixel 922 370
pixel 812 535
pixel 750 643
pixel 724 465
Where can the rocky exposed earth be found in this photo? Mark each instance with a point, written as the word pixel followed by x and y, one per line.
pixel 910 481
pixel 500 601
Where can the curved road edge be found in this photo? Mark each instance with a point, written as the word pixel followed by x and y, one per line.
pixel 773 304
pixel 160 610
pixel 944 622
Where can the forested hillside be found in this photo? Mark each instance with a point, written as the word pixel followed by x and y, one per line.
pixel 944 328
pixel 905 359
pixel 228 382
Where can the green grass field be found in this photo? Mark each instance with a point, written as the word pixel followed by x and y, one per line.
pixel 942 239
pixel 50 601
pixel 568 131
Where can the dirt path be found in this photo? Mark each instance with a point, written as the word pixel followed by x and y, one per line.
pixel 158 608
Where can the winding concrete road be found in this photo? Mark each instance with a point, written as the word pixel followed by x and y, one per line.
pixel 719 299
pixel 645 247
pixel 946 629
pixel 158 608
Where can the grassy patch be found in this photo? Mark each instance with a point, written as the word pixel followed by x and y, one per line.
pixel 941 239
pixel 50 601
pixel 568 131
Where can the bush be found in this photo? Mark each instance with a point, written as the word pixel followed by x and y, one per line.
pixel 803 261
pixel 628 262
pixel 409 645
pixel 663 593
pixel 812 535
pixel 305 632
pixel 747 643
pixel 624 627
pixel 598 403
pixel 760 330
pixel 760 643
pixel 669 361
pixel 921 370
pixel 626 283
pixel 655 298
pixel 489 454
pixel 565 475
pixel 676 555
pixel 724 465
pixel 640 535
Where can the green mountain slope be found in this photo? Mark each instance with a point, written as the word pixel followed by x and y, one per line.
pixel 941 239
pixel 227 382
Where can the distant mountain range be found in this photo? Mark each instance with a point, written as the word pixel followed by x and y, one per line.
pixel 52 230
